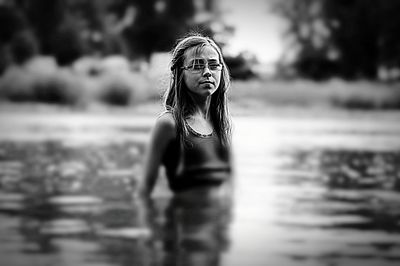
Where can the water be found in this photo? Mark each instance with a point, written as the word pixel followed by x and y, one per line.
pixel 309 190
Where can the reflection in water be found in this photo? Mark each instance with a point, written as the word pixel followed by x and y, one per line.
pixel 358 169
pixel 350 169
pixel 350 212
pixel 362 187
pixel 196 232
pixel 76 206
pixel 63 205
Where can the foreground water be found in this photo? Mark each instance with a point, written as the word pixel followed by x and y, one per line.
pixel 309 190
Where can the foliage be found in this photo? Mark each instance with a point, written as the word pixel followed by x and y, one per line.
pixel 11 22
pixel 351 39
pixel 116 94
pixel 239 67
pixel 23 46
pixel 97 81
pixel 134 27
pixel 20 84
pixel 354 95
pixel 67 54
pixel 60 88
pixel 156 29
pixel 44 16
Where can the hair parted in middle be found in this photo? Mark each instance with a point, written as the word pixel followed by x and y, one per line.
pixel 177 99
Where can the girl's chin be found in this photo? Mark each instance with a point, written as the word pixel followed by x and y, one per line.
pixel 209 90
pixel 204 93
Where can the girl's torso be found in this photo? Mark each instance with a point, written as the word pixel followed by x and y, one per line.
pixel 199 161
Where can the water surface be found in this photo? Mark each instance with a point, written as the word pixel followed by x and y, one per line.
pixel 309 190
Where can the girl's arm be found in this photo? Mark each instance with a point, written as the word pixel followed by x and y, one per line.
pixel 162 134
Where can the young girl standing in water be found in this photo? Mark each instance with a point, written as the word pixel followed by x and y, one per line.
pixel 191 139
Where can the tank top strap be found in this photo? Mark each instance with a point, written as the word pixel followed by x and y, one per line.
pixel 197 134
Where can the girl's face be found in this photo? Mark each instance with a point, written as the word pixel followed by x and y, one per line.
pixel 202 73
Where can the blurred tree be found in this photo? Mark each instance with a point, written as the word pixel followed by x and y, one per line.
pixel 45 17
pixel 240 66
pixel 348 38
pixel 389 41
pixel 68 29
pixel 11 22
pixel 67 44
pixel 23 46
pixel 158 24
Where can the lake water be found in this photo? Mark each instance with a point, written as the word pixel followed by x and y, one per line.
pixel 310 189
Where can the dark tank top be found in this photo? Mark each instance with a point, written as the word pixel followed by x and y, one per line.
pixel 200 161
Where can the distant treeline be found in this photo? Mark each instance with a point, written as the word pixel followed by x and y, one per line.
pixel 68 29
pixel 346 38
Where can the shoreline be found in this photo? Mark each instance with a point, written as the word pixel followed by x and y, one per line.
pixel 152 109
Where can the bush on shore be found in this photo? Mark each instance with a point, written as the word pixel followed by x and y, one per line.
pixel 362 95
pixel 111 81
pixel 41 80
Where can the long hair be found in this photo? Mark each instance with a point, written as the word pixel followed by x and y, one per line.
pixel 177 99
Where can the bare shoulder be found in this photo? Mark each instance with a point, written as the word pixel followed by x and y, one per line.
pixel 166 125
pixel 166 118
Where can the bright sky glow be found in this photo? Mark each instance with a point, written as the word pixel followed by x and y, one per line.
pixel 256 29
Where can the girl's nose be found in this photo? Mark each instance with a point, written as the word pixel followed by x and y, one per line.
pixel 206 72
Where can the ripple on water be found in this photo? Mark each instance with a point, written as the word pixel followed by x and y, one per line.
pixel 76 204
pixel 11 202
pixel 296 206
pixel 65 226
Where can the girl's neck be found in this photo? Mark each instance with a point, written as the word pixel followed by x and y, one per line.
pixel 202 107
pixel 200 123
pixel 201 114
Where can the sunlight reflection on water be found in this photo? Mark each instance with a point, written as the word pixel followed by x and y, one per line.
pixel 307 192
pixel 292 209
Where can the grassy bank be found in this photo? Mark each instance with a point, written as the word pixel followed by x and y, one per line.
pixel 91 84
pixel 91 81
pixel 361 95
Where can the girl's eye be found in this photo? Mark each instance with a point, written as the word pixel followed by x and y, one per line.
pixel 214 66
pixel 198 66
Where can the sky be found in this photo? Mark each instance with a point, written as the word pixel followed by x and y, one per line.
pixel 256 29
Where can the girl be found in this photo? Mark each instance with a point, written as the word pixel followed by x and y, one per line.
pixel 191 139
